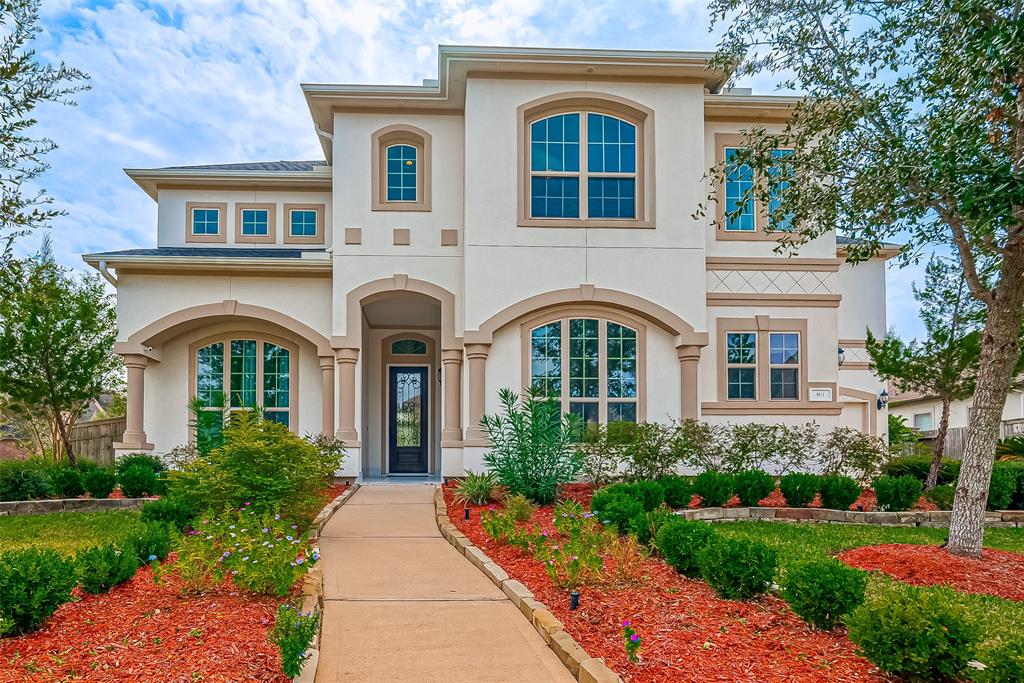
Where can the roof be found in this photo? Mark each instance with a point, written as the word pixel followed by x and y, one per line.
pixel 268 166
pixel 216 252
pixel 263 175
pixel 269 259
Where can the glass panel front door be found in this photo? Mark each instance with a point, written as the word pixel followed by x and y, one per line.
pixel 407 420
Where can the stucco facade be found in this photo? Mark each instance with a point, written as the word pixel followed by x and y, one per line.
pixel 466 275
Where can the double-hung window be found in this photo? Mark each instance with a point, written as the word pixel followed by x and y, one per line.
pixel 741 365
pixel 742 215
pixel 784 360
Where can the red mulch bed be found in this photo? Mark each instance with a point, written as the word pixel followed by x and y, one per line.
pixel 865 503
pixel 997 572
pixel 141 631
pixel 688 634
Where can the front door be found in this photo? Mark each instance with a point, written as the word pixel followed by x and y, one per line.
pixel 407 420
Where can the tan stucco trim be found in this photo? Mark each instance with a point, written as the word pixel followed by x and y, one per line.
pixel 451 360
pixel 587 294
pixel 270 237
pixel 853 343
pixel 134 431
pixel 353 235
pixel 169 326
pixel 318 238
pixel 870 408
pixel 400 134
pixel 762 326
pixel 261 338
pixel 428 360
pixel 855 365
pixel 397 283
pixel 562 314
pixel 776 263
pixel 759 233
pixel 476 357
pixel 222 230
pixel 327 364
pixel 601 103
pixel 576 78
pixel 347 359
pixel 788 300
pixel 788 408
pixel 401 237
pixel 689 381
pixel 449 237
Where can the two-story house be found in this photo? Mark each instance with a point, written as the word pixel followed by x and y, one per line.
pixel 525 219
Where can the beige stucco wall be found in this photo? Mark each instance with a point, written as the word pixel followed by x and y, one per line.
pixel 863 288
pixel 959 411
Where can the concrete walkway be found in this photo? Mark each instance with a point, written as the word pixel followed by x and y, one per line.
pixel 401 604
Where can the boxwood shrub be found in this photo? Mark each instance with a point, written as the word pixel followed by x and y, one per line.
pixel 897 493
pixel 822 592
pixel 919 635
pixel 838 492
pixel 942 496
pixel 98 482
pixel 1001 488
pixel 737 568
pixel 678 491
pixel 918 466
pixel 23 480
pixel 1003 661
pixel 753 485
pixel 33 584
pixel 651 494
pixel 103 567
pixel 66 482
pixel 799 489
pixel 615 508
pixel 138 481
pixel 680 540
pixel 169 509
pixel 714 488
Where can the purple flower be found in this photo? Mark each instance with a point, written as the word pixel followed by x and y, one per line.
pixel 625 623
pixel 635 638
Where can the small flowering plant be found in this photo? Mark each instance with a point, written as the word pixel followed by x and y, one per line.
pixel 293 632
pixel 261 552
pixel 632 641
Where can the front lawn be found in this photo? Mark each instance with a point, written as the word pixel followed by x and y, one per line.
pixel 66 532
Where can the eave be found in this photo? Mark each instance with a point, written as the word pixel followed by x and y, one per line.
pixel 183 265
pixel 153 180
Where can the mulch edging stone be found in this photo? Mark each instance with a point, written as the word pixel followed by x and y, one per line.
pixel 51 505
pixel 929 518
pixel 582 666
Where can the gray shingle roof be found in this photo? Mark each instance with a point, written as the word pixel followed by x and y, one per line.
pixel 211 252
pixel 266 166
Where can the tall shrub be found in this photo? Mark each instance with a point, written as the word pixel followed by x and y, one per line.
pixel 651 451
pixel 799 489
pixel 33 584
pixel 753 485
pixel 533 450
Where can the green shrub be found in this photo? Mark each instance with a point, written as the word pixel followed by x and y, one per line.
pixel 99 483
pixel 679 542
pixel 103 567
pixel 33 584
pixel 942 496
pixel 753 485
pixel 533 451
pixel 1001 488
pixel 499 525
pixel 617 509
pixel 1011 447
pixel 292 633
pixel 1017 468
pixel 920 635
pixel 152 542
pixel 838 492
pixel 799 489
pixel 169 509
pixel 475 488
pixel 138 481
pixel 918 466
pixel 678 491
pixel 66 482
pixel 23 480
pixel 897 493
pixel 600 450
pixel 650 450
pixel 822 592
pixel 650 493
pixel 150 462
pixel 715 489
pixel 737 568
pixel 519 507
pixel 1004 661
pixel 647 526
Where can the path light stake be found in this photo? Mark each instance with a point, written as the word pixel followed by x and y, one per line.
pixel 465 511
pixel 860 508
pixel 574 600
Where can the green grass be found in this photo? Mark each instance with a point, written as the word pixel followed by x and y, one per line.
pixel 66 532
pixel 802 542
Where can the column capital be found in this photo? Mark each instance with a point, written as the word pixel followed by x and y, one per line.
pixel 327 362
pixel 451 356
pixel 347 355
pixel 478 350
pixel 686 352
pixel 135 360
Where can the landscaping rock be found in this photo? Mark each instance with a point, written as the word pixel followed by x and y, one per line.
pixel 546 624
pixel 594 670
pixel 476 556
pixel 530 606
pixel 803 514
pixel 569 652
pixel 828 515
pixel 705 514
pixel 762 513
pixel 735 513
pixel 495 573
pixel 516 592
pixel 78 504
pixel 1012 515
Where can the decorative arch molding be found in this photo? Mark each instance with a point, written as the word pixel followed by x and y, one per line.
pixel 870 412
pixel 587 294
pixel 148 340
pixel 400 134
pixel 389 286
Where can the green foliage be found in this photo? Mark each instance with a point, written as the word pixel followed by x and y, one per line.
pixel 915 634
pixel 99 482
pixel 533 449
pixel 23 480
pixel 292 633
pixel 519 508
pixel 66 482
pixel 576 558
pixel 942 496
pixel 138 481
pixel 838 492
pixel 600 453
pixel 631 639
pixel 1003 661
pixel 715 489
pixel 499 525
pixel 1012 447
pixel 897 493
pixel 918 466
pixel 169 509
pixel 67 533
pixel 678 491
pixel 753 485
pixel 822 592
pixel 799 489
pixel 150 462
pixel 33 584
pixel 476 488
pixel 646 528
pixel 737 569
pixel 568 517
pixel 851 452
pixel 152 541
pixel 651 494
pixel 103 567
pixel 650 451
pixel 617 508
pixel 1001 488
pixel 680 541
pixel 900 434
pixel 1016 467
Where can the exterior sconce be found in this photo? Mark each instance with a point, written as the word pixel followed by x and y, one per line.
pixel 883 399
pixel 842 356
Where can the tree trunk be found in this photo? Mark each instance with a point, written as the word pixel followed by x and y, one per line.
pixel 1000 350
pixel 940 448
pixel 64 431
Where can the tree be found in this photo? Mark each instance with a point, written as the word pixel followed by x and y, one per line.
pixel 57 333
pixel 912 129
pixel 27 82
pixel 945 363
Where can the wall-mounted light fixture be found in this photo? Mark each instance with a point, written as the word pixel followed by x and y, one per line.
pixel 883 399
pixel 842 356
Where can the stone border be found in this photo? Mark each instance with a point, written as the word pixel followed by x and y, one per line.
pixel 313 585
pixel 933 519
pixel 49 506
pixel 583 667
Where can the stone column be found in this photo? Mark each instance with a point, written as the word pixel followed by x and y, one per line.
pixel 451 359
pixel 327 383
pixel 347 359
pixel 477 355
pixel 134 433
pixel 689 356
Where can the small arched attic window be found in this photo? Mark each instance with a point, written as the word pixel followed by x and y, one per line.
pixel 401 169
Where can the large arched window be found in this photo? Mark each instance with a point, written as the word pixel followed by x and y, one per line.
pixel 241 372
pixel 593 364
pixel 401 173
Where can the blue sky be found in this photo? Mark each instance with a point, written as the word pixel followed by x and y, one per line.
pixel 216 81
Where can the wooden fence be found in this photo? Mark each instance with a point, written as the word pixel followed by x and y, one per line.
pixel 956 437
pixel 94 440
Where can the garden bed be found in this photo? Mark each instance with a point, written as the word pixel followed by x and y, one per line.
pixel 997 572
pixel 688 634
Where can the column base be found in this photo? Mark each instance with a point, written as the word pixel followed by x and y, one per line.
pixel 126 447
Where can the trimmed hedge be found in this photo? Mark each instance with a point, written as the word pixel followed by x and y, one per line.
pixel 99 483
pixel 753 485
pixel 679 542
pixel 799 489
pixel 897 493
pixel 838 492
pixel 714 488
pixel 737 568
pixel 918 466
pixel 678 491
pixel 823 592
pixel 33 584
pixel 103 567
pixel 617 509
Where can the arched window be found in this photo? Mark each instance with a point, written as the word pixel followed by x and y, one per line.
pixel 401 173
pixel 409 347
pixel 243 372
pixel 401 169
pixel 592 364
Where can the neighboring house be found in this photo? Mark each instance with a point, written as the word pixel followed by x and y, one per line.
pixel 526 219
pixel 923 412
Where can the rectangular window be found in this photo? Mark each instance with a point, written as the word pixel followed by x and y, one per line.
pixel 611 197
pixel 546 359
pixel 210 375
pixel 784 360
pixel 205 221
pixel 779 176
pixel 255 222
pixel 923 422
pixel 401 173
pixel 739 200
pixel 583 358
pixel 276 382
pixel 741 365
pixel 303 223
pixel 243 373
pixel 555 197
